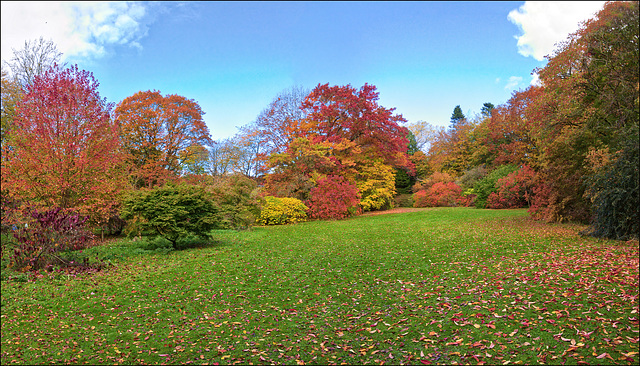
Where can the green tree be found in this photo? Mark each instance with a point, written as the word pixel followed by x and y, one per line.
pixel 486 110
pixel 457 116
pixel 171 212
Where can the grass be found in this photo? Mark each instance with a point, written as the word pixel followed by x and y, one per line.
pixel 436 286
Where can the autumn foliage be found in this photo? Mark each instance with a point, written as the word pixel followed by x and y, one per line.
pixel 513 191
pixel 64 147
pixel 343 112
pixel 161 136
pixel 333 198
pixel 44 235
pixel 439 194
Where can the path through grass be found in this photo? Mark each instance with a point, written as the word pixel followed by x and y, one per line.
pixel 437 286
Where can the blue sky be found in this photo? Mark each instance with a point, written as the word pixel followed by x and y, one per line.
pixel 233 58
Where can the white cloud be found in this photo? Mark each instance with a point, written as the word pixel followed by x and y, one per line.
pixel 545 23
pixel 79 29
pixel 513 82
pixel 535 79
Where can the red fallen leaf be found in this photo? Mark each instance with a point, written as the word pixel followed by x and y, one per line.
pixel 425 362
pixel 602 355
pixel 550 321
pixel 292 310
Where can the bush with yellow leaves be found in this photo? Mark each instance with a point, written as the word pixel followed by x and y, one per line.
pixel 282 210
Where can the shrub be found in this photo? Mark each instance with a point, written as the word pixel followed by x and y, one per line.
pixel 467 199
pixel 376 184
pixel 333 198
pixel 237 200
pixel 614 191
pixel 279 211
pixel 45 235
pixel 471 176
pixel 513 191
pixel 403 200
pixel 434 178
pixel 172 212
pixel 438 195
pixel 487 185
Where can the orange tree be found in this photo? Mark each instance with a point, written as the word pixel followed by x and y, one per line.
pixel 161 135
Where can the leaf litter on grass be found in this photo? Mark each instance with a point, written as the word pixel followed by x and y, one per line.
pixel 430 287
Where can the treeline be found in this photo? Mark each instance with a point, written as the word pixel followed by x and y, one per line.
pixel 566 148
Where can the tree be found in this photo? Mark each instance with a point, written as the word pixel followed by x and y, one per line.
pixel 33 60
pixel 279 123
pixel 11 94
pixel 333 198
pixel 65 146
pixel 453 150
pixel 159 134
pixel 615 195
pixel 342 112
pixel 172 212
pixel 486 110
pixel 457 116
pixel 376 185
pixel 295 172
pixel 511 130
pixel 250 152
pixel 195 159
pixel 424 133
pixel 221 157
pixel 589 101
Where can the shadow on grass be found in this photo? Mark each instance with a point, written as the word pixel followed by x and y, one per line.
pixel 160 244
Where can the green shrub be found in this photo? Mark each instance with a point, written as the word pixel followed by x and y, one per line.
pixel 614 195
pixel 237 200
pixel 171 212
pixel 471 177
pixel 279 211
pixel 487 185
pixel 404 200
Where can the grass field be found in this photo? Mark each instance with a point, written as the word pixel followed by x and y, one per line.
pixel 435 286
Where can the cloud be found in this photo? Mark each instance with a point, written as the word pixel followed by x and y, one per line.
pixel 535 80
pixel 79 29
pixel 545 23
pixel 513 82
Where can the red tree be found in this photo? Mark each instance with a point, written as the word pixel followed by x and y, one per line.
pixel 510 138
pixel 342 112
pixel 333 198
pixel 65 146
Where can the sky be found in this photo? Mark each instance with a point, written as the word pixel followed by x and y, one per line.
pixel 233 58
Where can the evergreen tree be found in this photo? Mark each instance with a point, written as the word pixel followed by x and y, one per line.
pixel 457 116
pixel 486 109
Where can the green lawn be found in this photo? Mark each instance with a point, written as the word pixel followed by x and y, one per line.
pixel 435 286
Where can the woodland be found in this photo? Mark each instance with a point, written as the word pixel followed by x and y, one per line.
pixel 83 178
